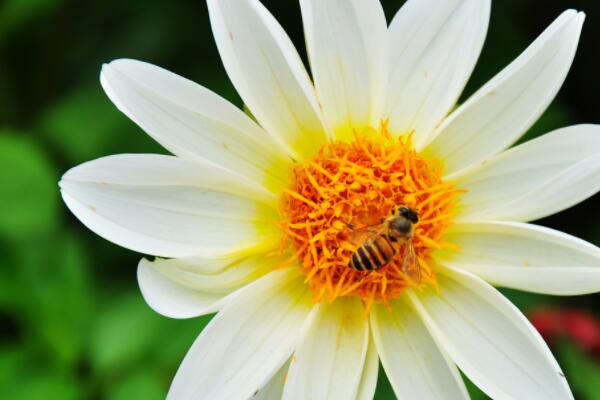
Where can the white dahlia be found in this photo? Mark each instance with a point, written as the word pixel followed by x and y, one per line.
pixel 257 221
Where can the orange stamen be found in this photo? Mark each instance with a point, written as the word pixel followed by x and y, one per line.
pixel 357 184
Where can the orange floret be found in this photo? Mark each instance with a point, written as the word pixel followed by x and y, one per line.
pixel 358 184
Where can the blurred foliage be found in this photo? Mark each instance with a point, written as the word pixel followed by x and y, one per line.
pixel 22 215
pixel 584 381
pixel 72 322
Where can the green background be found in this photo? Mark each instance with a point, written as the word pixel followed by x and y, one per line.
pixel 73 324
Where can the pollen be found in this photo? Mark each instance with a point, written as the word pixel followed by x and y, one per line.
pixel 348 186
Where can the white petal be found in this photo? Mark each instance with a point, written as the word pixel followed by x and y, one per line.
pixel 347 48
pixel 169 207
pixel 525 257
pixel 490 339
pixel 434 47
pixel 205 266
pixel 180 288
pixel 237 273
pixel 530 181
pixel 273 390
pixel 412 361
pixel 247 341
pixel 504 108
pixel 173 299
pixel 190 121
pixel 267 72
pixel 328 362
pixel 368 380
pixel 565 189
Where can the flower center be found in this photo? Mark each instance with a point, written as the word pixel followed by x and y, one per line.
pixel 346 217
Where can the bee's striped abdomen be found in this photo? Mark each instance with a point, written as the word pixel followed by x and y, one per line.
pixel 360 260
pixel 373 254
pixel 385 247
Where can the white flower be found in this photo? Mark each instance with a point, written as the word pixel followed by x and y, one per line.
pixel 294 319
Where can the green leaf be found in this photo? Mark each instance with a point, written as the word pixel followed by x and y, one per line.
pixel 526 301
pixel 474 392
pixel 86 125
pixel 126 331
pixel 66 301
pixel 582 372
pixel 12 361
pixel 178 338
pixel 10 288
pixel 384 389
pixel 144 384
pixel 58 307
pixel 47 385
pixel 29 199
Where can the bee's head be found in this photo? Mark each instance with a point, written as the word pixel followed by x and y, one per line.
pixel 403 221
pixel 408 213
pixel 401 226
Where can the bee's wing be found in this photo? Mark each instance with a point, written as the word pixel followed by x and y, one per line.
pixel 360 235
pixel 410 263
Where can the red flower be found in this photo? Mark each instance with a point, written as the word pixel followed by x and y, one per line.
pixel 580 326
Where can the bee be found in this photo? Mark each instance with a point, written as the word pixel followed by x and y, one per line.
pixel 379 244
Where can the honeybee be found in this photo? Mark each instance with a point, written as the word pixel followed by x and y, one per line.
pixel 379 244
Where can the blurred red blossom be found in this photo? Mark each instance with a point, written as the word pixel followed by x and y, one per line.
pixel 580 326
